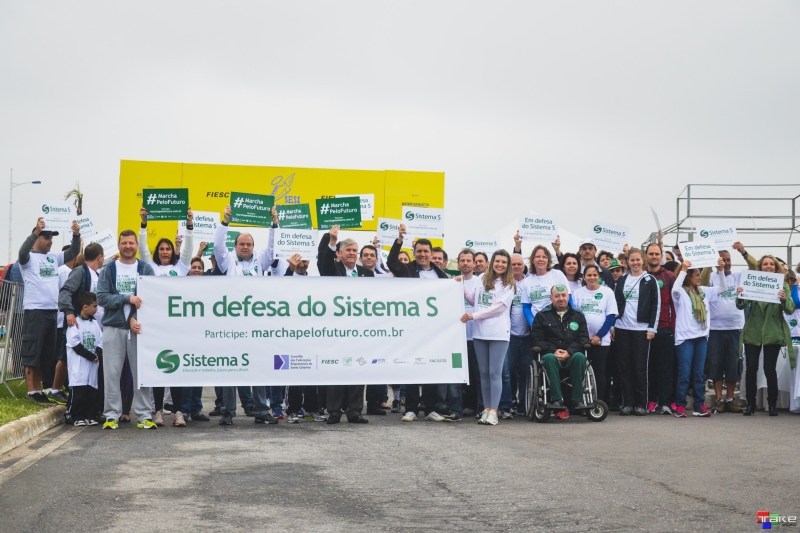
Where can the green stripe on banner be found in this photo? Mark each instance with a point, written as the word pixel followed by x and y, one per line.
pixel 456 360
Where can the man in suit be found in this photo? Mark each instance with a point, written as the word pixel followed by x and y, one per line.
pixel 347 398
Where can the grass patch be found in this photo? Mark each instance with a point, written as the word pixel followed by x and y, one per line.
pixel 15 408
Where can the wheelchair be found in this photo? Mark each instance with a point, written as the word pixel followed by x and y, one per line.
pixel 537 391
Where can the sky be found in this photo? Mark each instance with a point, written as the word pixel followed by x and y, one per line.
pixel 581 110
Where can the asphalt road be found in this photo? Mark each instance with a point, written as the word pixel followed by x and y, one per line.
pixel 649 474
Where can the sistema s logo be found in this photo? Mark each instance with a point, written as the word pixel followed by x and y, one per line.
pixel 45 209
pixel 168 361
pixel 384 226
pixel 409 216
pixel 469 244
pixel 598 229
pixel 704 234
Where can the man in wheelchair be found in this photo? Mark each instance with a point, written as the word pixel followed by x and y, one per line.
pixel 561 333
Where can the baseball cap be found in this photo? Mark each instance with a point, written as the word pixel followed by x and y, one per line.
pixel 587 241
pixel 614 264
pixel 48 232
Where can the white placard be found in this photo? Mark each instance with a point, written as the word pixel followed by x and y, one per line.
pixel 367 205
pixel 722 235
pixel 424 221
pixel 288 330
pixel 107 240
pixel 295 241
pixel 87 225
pixel 388 232
pixel 205 224
pixel 57 215
pixel 761 286
pixel 655 217
pixel 487 245
pixel 702 254
pixel 538 228
pixel 609 237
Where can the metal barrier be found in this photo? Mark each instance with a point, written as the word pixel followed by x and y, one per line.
pixel 11 313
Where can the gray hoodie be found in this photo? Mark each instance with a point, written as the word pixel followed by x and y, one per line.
pixel 113 302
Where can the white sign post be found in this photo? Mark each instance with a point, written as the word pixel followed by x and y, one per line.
pixel 87 225
pixel 205 225
pixel 424 221
pixel 609 237
pixel 367 205
pixel 723 236
pixel 57 215
pixel 701 254
pixel 538 228
pixel 288 330
pixel 107 240
pixel 295 241
pixel 761 286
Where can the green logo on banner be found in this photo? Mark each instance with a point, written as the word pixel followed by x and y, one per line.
pixel 344 212
pixel 704 234
pixel 384 226
pixel 45 209
pixel 252 209
pixel 598 229
pixel 409 216
pixel 168 361
pixel 469 244
pixel 457 360
pixel 166 204
pixel 573 326
pixel 294 216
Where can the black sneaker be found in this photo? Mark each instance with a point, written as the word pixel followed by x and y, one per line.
pixel 626 411
pixel 38 397
pixel 249 411
pixel 57 397
pixel 266 419
pixel 640 411
pixel 216 412
pixel 226 420
pixel 375 410
pixel 200 417
pixel 396 406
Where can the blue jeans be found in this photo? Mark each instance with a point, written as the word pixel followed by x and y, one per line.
pixel 191 400
pixel 245 396
pixel 276 396
pixel 454 395
pixel 691 355
pixel 518 361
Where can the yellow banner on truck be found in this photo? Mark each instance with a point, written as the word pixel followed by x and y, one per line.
pixel 210 187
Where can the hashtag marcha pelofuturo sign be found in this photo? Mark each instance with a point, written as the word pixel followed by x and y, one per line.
pixel 252 209
pixel 166 204
pixel 344 212
pixel 294 216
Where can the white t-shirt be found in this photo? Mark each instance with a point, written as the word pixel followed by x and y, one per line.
pixel 794 322
pixel 536 289
pixel 126 283
pixel 180 268
pixel 686 325
pixel 469 285
pixel 63 274
pixel 596 306
pixel 98 316
pixel 574 286
pixel 40 275
pixel 428 274
pixel 82 371
pixel 519 324
pixel 496 328
pixel 724 314
pixel 631 291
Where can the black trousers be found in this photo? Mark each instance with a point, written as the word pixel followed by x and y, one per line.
pixel 347 398
pixel 175 392
pixel 613 390
pixel 661 384
pixel 83 402
pixel 598 356
pixel 376 395
pixel 752 354
pixel 430 393
pixel 471 394
pixel 632 348
pixel 303 396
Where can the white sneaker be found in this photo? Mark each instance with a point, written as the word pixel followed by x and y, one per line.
pixel 409 417
pixel 484 416
pixel 491 418
pixel 435 417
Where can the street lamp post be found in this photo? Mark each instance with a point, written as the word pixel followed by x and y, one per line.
pixel 11 186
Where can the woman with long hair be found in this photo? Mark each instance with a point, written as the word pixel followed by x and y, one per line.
pixel 541 278
pixel 492 299
pixel 166 262
pixel 570 265
pixel 598 305
pixel 639 304
pixel 691 334
pixel 765 329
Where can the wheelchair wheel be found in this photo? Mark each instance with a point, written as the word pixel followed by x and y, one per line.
pixel 536 408
pixel 599 412
pixel 531 391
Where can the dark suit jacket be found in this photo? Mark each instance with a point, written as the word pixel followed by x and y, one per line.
pixel 327 265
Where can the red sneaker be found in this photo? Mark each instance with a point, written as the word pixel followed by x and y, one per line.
pixel 703 412
pixel 680 412
pixel 563 415
pixel 651 407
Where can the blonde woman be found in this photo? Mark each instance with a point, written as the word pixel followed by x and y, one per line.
pixel 765 328
pixel 492 329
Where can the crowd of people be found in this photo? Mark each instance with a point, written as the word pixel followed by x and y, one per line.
pixel 653 328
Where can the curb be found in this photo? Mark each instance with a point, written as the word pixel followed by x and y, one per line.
pixel 21 431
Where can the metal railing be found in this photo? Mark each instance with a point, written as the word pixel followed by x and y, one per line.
pixel 11 313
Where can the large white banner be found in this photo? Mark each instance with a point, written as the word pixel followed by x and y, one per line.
pixel 219 330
